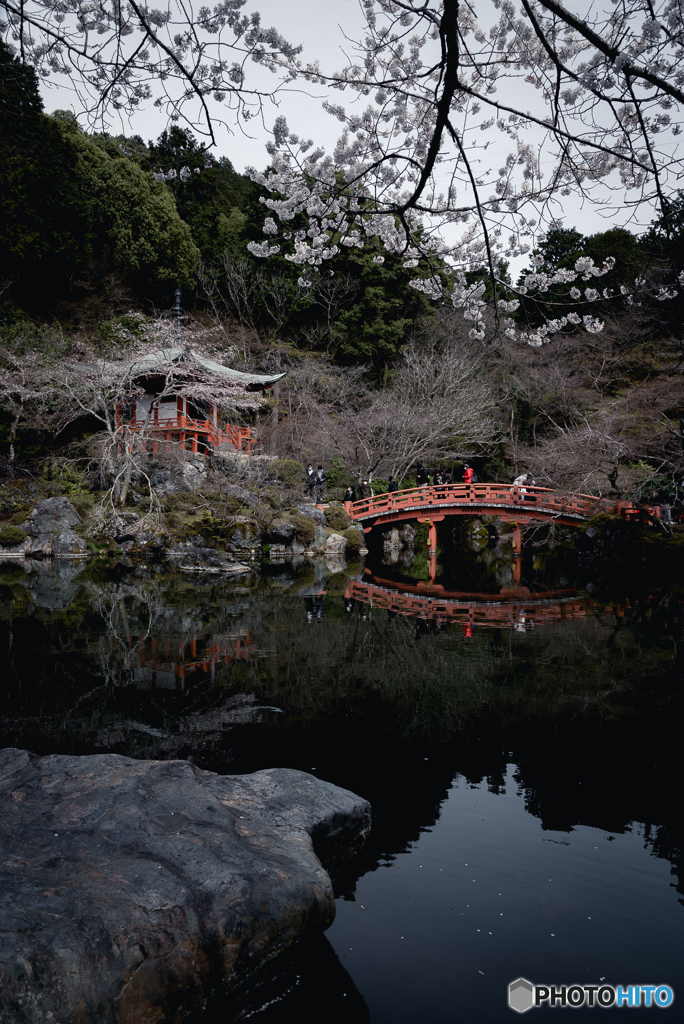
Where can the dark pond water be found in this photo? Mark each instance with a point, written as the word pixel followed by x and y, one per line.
pixel 520 745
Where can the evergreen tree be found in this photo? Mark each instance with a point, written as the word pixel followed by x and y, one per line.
pixel 70 202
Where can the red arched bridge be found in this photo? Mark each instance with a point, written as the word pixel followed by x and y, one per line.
pixel 517 504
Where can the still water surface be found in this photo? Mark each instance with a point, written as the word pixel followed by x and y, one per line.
pixel 521 749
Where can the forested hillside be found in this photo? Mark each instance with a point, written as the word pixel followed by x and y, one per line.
pixel 97 232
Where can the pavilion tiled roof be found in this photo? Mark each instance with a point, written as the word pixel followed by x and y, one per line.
pixel 155 361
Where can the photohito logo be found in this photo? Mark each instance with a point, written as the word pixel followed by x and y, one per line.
pixel 523 995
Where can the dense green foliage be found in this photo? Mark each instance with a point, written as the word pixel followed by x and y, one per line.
pixel 75 207
pixel 70 205
pixel 211 197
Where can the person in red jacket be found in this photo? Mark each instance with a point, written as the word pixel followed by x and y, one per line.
pixel 467 474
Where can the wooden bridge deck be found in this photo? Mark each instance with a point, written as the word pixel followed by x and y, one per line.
pixel 520 504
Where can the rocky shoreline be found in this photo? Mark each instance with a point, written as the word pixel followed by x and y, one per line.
pixel 133 889
pixel 54 529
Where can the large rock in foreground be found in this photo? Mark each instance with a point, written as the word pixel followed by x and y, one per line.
pixel 128 889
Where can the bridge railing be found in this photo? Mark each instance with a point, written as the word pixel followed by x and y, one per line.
pixel 489 495
pixel 517 612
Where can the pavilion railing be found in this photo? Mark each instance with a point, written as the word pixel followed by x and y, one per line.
pixel 188 428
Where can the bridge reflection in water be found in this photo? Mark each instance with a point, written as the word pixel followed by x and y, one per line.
pixel 512 608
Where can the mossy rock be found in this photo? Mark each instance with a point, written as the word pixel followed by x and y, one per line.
pixel 354 538
pixel 185 501
pixel 305 529
pixel 336 518
pixel 242 534
pixel 83 503
pixel 13 504
pixel 271 497
pixel 289 472
pixel 11 535
pixel 173 522
pixel 230 505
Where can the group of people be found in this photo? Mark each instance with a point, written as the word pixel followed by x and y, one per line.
pixel 440 476
pixel 365 490
pixel 315 481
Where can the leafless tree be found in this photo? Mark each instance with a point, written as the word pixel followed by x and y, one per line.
pixel 616 447
pixel 331 292
pixel 255 298
pixel 57 395
pixel 437 406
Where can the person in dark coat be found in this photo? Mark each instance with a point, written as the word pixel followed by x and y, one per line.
pixel 310 479
pixel 364 490
pixel 392 485
pixel 421 475
pixel 319 483
pixel 350 494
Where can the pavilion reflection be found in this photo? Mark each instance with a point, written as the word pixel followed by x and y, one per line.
pixel 171 662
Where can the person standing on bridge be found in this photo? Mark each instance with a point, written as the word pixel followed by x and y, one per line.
pixel 392 485
pixel 467 474
pixel 364 490
pixel 520 482
pixel 421 475
pixel 350 494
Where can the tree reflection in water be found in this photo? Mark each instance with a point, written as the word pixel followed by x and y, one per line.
pixel 324 672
